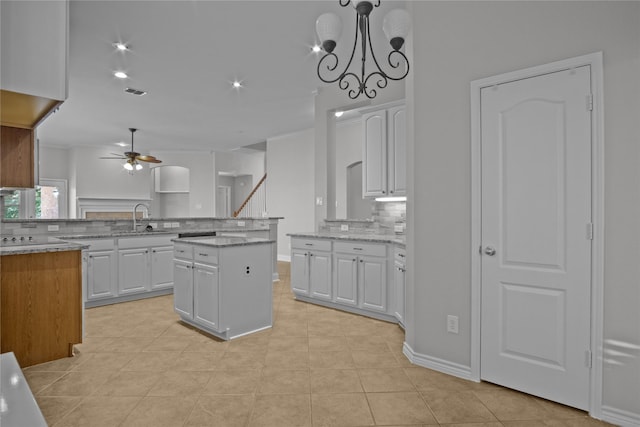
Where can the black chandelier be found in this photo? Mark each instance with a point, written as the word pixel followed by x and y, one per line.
pixel 395 26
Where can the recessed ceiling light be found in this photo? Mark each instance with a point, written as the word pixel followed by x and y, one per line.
pixel 121 46
pixel 316 48
pixel 121 144
pixel 236 84
pixel 120 74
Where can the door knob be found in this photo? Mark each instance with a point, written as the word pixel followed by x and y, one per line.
pixel 489 251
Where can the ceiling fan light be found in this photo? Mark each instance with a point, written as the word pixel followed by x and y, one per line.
pixel 329 28
pixel 138 166
pixel 128 166
pixel 120 74
pixel 396 25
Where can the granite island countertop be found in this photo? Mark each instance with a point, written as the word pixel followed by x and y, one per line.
pixel 142 233
pixel 360 237
pixel 222 241
pixel 48 244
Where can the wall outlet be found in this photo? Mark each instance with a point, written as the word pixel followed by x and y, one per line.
pixel 240 223
pixel 53 228
pixel 154 224
pixel 319 201
pixel 344 227
pixel 247 271
pixel 452 324
pixel 166 225
pixel 175 224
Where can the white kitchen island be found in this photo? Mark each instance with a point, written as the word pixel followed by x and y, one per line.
pixel 223 285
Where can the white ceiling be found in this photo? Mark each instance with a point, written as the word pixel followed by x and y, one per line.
pixel 185 54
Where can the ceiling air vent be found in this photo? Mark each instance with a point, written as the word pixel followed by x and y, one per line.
pixel 135 91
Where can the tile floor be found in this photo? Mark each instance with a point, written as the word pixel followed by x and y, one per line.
pixel 139 366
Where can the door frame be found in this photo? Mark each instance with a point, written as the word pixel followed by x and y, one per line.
pixel 595 61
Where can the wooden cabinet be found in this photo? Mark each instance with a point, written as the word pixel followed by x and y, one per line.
pixel 33 75
pixel 41 305
pixel 16 157
pixel 384 152
pixel 399 283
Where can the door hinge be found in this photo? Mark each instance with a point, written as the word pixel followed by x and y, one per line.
pixel 590 102
pixel 587 359
pixel 589 231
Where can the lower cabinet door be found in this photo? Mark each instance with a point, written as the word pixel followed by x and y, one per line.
pixel 320 275
pixel 398 286
pixel 206 297
pixel 373 276
pixel 346 279
pixel 300 272
pixel 161 267
pixel 101 275
pixel 183 288
pixel 133 271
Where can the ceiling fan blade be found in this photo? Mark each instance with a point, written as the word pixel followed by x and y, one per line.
pixel 115 158
pixel 148 159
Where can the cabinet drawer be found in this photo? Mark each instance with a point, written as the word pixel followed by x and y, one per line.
pixel 205 254
pixel 317 244
pixel 357 248
pixel 181 251
pixel 145 242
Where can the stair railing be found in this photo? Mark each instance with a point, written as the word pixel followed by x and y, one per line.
pixel 252 203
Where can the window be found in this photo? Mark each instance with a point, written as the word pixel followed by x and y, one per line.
pixel 11 205
pixel 48 200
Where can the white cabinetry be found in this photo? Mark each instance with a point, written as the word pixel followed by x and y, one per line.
pixel 227 290
pixel 399 281
pixel 346 275
pixel 311 268
pixel 126 268
pixel 384 152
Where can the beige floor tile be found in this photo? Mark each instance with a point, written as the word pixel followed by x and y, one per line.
pixel 367 343
pixel 251 343
pixel 240 360
pixel 399 408
pixel 328 343
pixel 196 361
pixel 205 344
pixel 125 345
pixel 228 411
pixel 126 383
pixel 350 409
pixel 556 410
pixel 150 329
pixel 426 379
pixel 381 380
pixel 283 328
pixel 64 364
pixel 160 412
pixel 369 359
pixel 99 412
pixel 176 343
pixel 289 343
pixel 151 361
pixel 180 383
pixel 38 380
pixel 457 407
pixel 54 408
pixel 111 362
pixel 179 329
pixel 584 421
pixel 321 328
pixel 331 360
pixel 509 405
pixel 287 359
pixel 335 381
pixel 490 424
pixel 77 384
pixel 281 410
pixel 239 381
pixel 283 381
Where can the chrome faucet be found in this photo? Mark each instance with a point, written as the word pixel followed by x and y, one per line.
pixel 135 208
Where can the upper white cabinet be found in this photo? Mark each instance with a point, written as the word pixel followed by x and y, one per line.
pixel 384 152
pixel 34 42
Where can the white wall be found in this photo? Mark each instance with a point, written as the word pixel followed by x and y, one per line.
pixel 348 150
pixel 290 183
pixel 54 163
pixel 457 42
pixel 202 189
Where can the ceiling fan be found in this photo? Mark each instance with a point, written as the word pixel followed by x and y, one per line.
pixel 133 157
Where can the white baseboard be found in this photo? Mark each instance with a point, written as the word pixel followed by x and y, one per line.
pixel 285 258
pixel 620 417
pixel 437 364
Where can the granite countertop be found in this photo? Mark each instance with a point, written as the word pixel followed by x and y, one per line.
pixel 223 241
pixel 51 244
pixel 361 237
pixel 142 233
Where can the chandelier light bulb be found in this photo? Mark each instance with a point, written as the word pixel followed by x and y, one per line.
pixel 396 25
pixel 329 28
pixel 128 166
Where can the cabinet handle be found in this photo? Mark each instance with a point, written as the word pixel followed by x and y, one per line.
pixel 308 244
pixel 391 192
pixel 354 260
pixel 201 254
pixel 361 261
pixel 310 254
pixel 401 255
pixel 384 192
pixel 154 251
pixel 357 249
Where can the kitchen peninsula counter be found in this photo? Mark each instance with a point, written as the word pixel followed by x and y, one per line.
pixel 399 240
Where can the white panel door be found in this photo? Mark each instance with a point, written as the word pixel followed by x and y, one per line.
pixel 300 272
pixel 183 288
pixel 161 267
pixel 101 276
pixel 397 151
pixel 206 297
pixel 346 279
pixel 536 247
pixel 133 270
pixel 373 276
pixel 320 275
pixel 374 164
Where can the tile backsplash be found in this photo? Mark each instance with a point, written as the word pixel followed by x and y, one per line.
pixel 387 218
